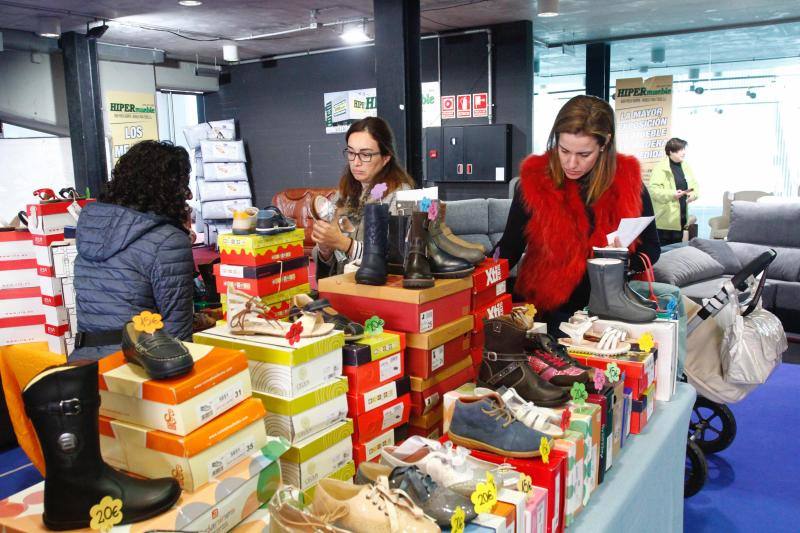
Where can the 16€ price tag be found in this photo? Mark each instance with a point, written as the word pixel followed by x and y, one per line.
pixel 485 496
pixel 106 514
pixel 525 484
pixel 457 520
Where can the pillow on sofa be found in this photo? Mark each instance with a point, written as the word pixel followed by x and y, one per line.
pixel 686 265
pixel 720 251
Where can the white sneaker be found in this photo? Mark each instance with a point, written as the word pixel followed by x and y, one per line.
pixel 541 419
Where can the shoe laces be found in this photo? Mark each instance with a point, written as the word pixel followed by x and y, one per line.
pixel 391 501
pixel 251 306
pixel 551 359
pixel 413 478
pixel 303 519
pixel 501 412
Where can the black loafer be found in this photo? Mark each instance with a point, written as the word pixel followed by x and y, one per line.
pixel 161 356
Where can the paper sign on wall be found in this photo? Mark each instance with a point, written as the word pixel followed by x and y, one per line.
pixel 345 107
pixel 431 116
pixel 448 107
pixel 132 118
pixel 480 105
pixel 464 106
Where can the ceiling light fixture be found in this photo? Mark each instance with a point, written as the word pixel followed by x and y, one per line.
pixel 190 3
pixel 230 52
pixel 49 27
pixel 95 32
pixel 547 8
pixel 356 34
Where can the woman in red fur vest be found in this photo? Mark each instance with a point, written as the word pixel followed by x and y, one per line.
pixel 567 201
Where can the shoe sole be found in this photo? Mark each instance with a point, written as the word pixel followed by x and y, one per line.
pixel 454 275
pixel 418 283
pixel 274 231
pixel 478 445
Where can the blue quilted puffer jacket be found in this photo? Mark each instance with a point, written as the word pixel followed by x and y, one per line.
pixel 129 262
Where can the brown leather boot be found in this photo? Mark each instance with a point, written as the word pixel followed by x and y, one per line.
pixel 444 239
pixel 416 269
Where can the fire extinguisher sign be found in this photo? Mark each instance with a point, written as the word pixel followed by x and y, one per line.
pixel 480 105
pixel 448 107
pixel 464 106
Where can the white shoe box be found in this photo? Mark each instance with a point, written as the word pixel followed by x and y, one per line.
pixel 223 190
pixel 224 172
pixel 221 209
pixel 222 151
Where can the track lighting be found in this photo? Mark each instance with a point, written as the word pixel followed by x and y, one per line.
pixel 547 8
pixel 356 34
pixel 49 27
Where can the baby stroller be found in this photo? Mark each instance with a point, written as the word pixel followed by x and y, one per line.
pixel 733 345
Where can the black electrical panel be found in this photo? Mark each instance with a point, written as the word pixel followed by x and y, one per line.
pixel 468 153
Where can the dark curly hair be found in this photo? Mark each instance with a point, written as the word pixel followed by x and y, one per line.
pixel 152 176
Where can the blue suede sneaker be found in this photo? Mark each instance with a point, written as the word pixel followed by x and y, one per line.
pixel 485 423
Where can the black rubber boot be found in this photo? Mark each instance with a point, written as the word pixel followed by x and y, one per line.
pixel 376 236
pixel 417 270
pixel 608 298
pixel 398 239
pixel 63 403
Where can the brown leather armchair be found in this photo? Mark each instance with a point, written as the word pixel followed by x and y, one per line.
pixel 296 204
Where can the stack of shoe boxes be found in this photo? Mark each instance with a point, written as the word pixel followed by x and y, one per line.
pixel 199 428
pixel 431 318
pixel 222 182
pixel 489 300
pixel 58 296
pixel 21 313
pixel 302 388
pixel 379 400
pixel 271 267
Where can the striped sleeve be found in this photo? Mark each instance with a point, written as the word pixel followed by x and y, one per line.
pixel 356 251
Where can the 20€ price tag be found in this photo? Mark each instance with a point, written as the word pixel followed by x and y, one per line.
pixel 485 496
pixel 106 514
pixel 544 450
pixel 525 484
pixel 457 520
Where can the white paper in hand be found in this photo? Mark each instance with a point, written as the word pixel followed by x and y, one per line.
pixel 629 229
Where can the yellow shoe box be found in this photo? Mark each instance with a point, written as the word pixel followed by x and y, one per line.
pixel 318 456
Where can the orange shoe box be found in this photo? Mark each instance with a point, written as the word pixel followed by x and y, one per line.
pixel 438 349
pixel 372 375
pixel 426 394
pixel 257 250
pixel 219 380
pixel 371 450
pixel 411 311
pixel 373 423
pixel 497 308
pixel 263 286
pixel 358 404
pixel 488 281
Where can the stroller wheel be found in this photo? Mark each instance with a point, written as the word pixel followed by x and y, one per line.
pixel 696 470
pixel 712 425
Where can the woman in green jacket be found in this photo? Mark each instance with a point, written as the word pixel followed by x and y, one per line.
pixel 672 186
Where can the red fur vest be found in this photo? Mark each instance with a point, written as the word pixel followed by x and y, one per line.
pixel 558 240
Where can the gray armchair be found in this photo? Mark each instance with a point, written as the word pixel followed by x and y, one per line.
pixel 719 225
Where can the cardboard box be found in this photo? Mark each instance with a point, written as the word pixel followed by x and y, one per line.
pixel 487 281
pixel 50 218
pixel 426 394
pixel 412 311
pixel 572 445
pixel 438 349
pixel 429 421
pixel 363 402
pixel 256 250
pixel 642 410
pixel 345 473
pixel 507 512
pixel 279 304
pixel 626 415
pixel 619 414
pixel 371 450
pixel 261 271
pixel 12 277
pixel 297 418
pixel 216 508
pixel 17 303
pixel 16 248
pixel 263 286
pixel 586 419
pixel 605 399
pixel 375 374
pixel 201 455
pixel 517 501
pixel 64 254
pixel 22 330
pixel 290 381
pixel 536 511
pixel 218 381
pixel 494 309
pixel 478 339
pixel 372 423
pixel 373 348
pixel 313 458
pixel 639 368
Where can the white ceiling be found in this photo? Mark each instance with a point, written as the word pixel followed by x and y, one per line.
pixel 161 23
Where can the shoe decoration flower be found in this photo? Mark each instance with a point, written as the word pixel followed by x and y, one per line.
pixel 646 342
pixel 293 335
pixel 599 381
pixel 544 449
pixel 578 393
pixel 612 372
pixel 530 311
pixel 378 191
pixel 147 322
pixel 106 514
pixel 424 204
pixel 485 496
pixel 374 325
pixel 433 210
pixel 566 416
pixel 457 520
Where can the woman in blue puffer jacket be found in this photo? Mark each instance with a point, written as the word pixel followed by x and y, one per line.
pixel 134 252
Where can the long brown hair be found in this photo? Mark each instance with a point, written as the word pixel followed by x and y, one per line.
pixel 588 115
pixel 392 174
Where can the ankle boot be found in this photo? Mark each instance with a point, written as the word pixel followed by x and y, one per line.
pixel 444 239
pixel 452 236
pixel 398 235
pixel 505 363
pixel 376 235
pixel 416 269
pixel 63 403
pixel 608 298
pixel 610 253
pixel 444 265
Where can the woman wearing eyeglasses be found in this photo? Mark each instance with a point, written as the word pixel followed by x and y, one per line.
pixel 370 160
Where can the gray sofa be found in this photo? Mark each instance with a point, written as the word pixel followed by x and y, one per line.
pixel 479 220
pixel 700 268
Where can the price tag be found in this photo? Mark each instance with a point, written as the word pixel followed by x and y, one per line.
pixel 226 399
pixel 392 416
pixel 106 514
pixel 74 209
pixel 426 321
pixel 389 367
pixel 230 457
pixel 457 520
pixel 501 288
pixel 544 449
pixel 485 496
pixel 525 484
pixel 437 358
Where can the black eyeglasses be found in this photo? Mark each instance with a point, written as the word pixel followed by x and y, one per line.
pixel 364 157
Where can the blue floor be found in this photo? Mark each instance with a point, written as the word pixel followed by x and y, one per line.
pixel 16 472
pixel 753 485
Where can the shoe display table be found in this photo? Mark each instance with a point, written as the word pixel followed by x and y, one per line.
pixel 643 491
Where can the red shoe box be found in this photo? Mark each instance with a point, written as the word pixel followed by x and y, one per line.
pixel 263 286
pixel 16 250
pixel 427 393
pixel 488 281
pixel 358 404
pixel 373 348
pixel 642 410
pixel 372 375
pixel 428 425
pixel 411 311
pixel 478 339
pixel 378 421
pixel 438 349
pixel 258 250
pixel 371 450
pixel 639 368
pixel 49 219
pixel 261 271
pixel 497 308
pixel 22 330
pixel 476 354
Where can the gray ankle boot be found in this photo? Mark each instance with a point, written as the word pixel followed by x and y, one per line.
pixel 608 298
